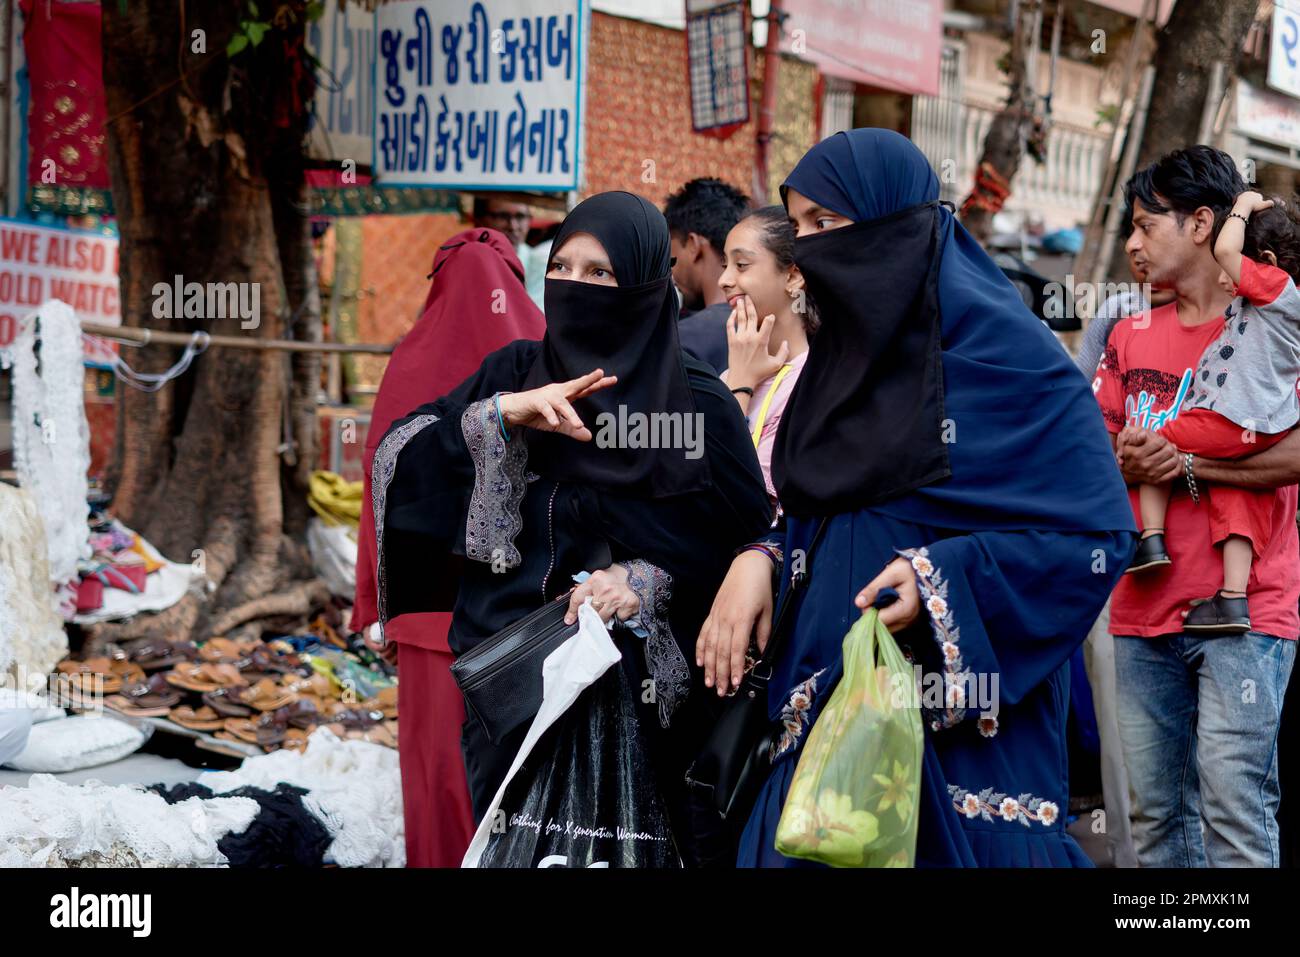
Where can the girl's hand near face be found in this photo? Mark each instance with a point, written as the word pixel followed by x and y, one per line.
pixel 748 340
pixel 549 408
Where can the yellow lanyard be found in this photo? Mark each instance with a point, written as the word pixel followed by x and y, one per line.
pixel 767 402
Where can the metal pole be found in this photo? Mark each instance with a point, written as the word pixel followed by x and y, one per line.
pixel 1213 96
pixel 133 335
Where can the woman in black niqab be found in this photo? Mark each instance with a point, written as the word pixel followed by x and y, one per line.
pixel 512 504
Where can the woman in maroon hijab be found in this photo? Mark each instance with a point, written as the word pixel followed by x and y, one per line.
pixel 476 305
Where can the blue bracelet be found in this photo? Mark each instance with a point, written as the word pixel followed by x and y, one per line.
pixel 501 422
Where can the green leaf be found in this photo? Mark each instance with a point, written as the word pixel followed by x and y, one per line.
pixel 256 31
pixel 315 11
pixel 252 7
pixel 237 43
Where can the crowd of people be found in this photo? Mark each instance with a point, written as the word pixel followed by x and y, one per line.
pixel 885 426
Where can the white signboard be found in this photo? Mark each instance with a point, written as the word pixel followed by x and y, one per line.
pixel 1284 50
pixel 39 263
pixel 1267 115
pixel 343 124
pixel 482 94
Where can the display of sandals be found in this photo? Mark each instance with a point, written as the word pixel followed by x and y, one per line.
pixel 270 693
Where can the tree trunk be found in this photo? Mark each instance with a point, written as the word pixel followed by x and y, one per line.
pixel 1004 144
pixel 205 155
pixel 1196 37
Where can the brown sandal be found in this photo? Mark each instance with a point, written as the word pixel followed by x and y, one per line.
pixel 145 699
pixel 266 695
pixel 206 677
pixel 385 701
pixel 225 702
pixel 204 719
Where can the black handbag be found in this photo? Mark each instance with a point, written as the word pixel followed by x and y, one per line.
pixel 501 678
pixel 726 775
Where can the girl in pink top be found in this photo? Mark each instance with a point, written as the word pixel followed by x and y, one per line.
pixel 764 356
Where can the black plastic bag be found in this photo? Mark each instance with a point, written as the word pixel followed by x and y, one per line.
pixel 586 795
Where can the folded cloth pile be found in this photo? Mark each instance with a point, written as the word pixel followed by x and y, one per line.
pixel 353 787
pixel 336 500
pixel 125 575
pixel 284 833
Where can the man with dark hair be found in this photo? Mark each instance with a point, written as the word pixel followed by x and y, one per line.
pixel 509 214
pixel 699 217
pixel 1198 713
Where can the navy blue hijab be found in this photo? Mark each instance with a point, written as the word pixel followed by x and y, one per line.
pixel 1023 444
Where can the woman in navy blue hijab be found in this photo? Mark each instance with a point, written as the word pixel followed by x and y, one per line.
pixel 944 436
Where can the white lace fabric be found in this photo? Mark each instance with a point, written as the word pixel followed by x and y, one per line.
pixel 50 434
pixel 354 789
pixel 32 639
pixel 52 824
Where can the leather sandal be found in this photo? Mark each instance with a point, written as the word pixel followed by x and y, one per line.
pixel 303 714
pixel 204 719
pixel 145 699
pixel 385 701
pixel 156 655
pixel 206 677
pixel 81 675
pixel 225 702
pixel 266 695
pixel 224 649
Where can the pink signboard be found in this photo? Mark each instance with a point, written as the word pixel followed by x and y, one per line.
pixel 892 44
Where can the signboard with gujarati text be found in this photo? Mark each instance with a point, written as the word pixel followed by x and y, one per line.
pixel 478 95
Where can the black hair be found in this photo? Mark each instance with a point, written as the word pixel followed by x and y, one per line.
pixel 1183 181
pixel 777 234
pixel 708 207
pixel 1275 230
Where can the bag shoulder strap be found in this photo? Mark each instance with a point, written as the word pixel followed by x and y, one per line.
pixel 798 580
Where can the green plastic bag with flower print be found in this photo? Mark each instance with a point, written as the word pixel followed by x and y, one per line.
pixel 854 799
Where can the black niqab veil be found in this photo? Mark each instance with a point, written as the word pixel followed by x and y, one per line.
pixel 629 331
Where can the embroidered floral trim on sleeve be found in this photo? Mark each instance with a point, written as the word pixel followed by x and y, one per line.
pixel 956 679
pixel 794 715
pixel 381 474
pixel 989 805
pixel 663 656
pixel 493 521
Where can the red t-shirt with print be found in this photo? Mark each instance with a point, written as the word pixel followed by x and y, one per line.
pixel 1144 374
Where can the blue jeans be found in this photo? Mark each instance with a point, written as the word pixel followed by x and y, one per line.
pixel 1198 718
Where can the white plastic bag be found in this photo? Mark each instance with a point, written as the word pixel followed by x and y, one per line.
pixel 568 671
pixel 334 555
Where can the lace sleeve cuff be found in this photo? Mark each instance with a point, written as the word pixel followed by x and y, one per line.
pixel 664 658
pixel 381 474
pixel 493 521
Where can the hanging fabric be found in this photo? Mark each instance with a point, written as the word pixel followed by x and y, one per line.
pixel 50 434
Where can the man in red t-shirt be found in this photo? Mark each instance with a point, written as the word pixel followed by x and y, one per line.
pixel 1198 715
